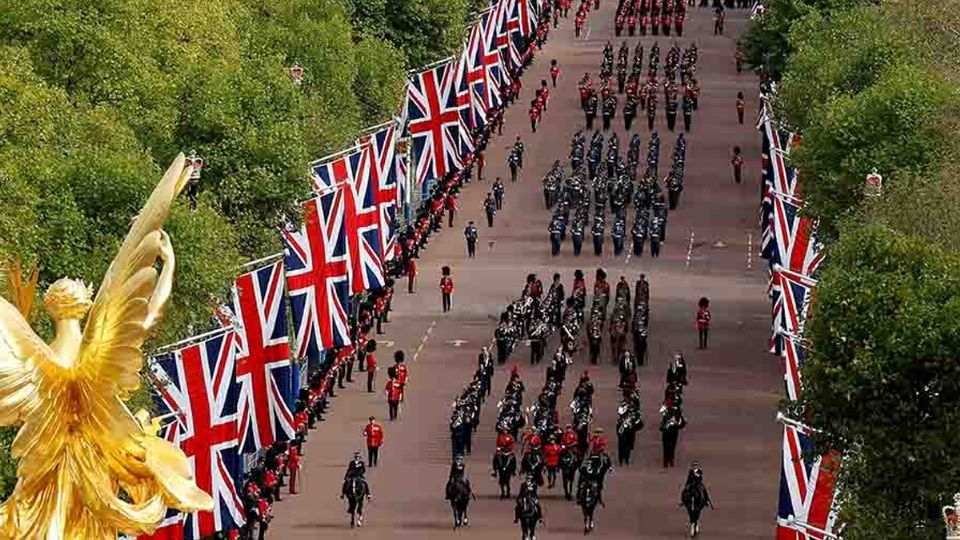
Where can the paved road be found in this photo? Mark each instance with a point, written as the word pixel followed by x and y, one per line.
pixel 734 385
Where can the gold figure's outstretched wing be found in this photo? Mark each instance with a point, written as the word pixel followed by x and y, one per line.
pixel 129 302
pixel 21 352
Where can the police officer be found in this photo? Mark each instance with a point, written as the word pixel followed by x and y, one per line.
pixel 470 234
pixel 490 208
pixel 597 231
pixel 629 111
pixel 498 191
pixel 609 111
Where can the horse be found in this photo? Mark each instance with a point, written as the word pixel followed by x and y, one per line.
pixel 528 512
pixel 355 490
pixel 459 494
pixel 504 468
pixel 569 464
pixel 587 498
pixel 695 498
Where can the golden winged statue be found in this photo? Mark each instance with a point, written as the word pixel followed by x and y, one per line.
pixel 89 469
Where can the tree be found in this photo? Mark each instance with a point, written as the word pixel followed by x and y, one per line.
pixel 883 380
pixel 894 125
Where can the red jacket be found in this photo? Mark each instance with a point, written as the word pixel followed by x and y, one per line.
pixel 703 319
pixel 394 390
pixel 412 266
pixel 504 440
pixel 374 434
pixel 293 458
pixel 371 363
pixel 569 438
pixel 451 202
pixel 554 72
pixel 535 114
pixel 402 374
pixel 446 284
pixel 551 454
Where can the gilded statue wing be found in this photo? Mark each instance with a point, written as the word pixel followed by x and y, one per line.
pixel 128 302
pixel 21 352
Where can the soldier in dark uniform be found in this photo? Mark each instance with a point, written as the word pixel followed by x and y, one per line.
pixel 490 207
pixel 618 232
pixel 538 340
pixel 579 223
pixel 609 111
pixel 597 232
pixel 470 234
pixel 593 159
pixel 671 110
pixel 687 112
pixel 554 231
pixel 659 208
pixel 655 225
pixel 590 108
pixel 498 191
pixel 514 162
pixel 641 224
pixel 629 111
pixel 651 109
pixel 595 332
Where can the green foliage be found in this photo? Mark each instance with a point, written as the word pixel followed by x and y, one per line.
pixel 883 380
pixel 893 126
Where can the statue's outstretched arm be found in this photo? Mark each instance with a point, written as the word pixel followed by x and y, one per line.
pixel 164 283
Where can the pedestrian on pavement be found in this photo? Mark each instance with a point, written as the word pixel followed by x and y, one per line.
pixel 394 392
pixel 490 207
pixel 740 106
pixel 411 273
pixel 470 234
pixel 446 288
pixel 737 162
pixel 498 191
pixel 554 72
pixel 371 364
pixel 703 321
pixel 373 433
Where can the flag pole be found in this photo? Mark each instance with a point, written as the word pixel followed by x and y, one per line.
pixel 431 65
pixel 793 522
pixel 325 159
pixel 371 129
pixel 194 339
pixel 268 258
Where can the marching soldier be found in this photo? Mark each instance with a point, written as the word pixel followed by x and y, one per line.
pixel 470 234
pixel 641 224
pixel 579 223
pixel 619 229
pixel 629 111
pixel 740 107
pixel 490 207
pixel 671 111
pixel 687 112
pixel 590 109
pixel 651 109
pixel 498 191
pixel 513 161
pixel 555 230
pixel 538 340
pixel 597 231
pixel 609 111
pixel 595 332
pixel 737 163
pixel 655 224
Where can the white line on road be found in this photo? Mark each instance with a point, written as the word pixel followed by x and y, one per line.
pixel 423 340
pixel 749 250
pixel 690 249
pixel 587 35
pixel 629 254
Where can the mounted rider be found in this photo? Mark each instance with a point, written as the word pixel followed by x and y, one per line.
pixel 596 465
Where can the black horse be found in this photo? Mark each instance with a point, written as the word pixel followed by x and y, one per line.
pixel 459 495
pixel 504 468
pixel 528 513
pixel 355 490
pixel 569 464
pixel 587 498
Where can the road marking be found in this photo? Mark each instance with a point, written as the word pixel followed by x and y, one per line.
pixel 423 340
pixel 587 35
pixel 690 249
pixel 456 342
pixel 387 343
pixel 629 254
pixel 749 250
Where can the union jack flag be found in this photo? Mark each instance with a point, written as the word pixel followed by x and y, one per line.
pixel 509 54
pixel 264 370
pixel 522 24
pixel 495 71
pixel 348 177
pixel 794 293
pixel 380 149
pixel 317 266
pixel 436 127
pixel 796 247
pixel 791 354
pixel 197 382
pixel 171 528
pixel 807 489
pixel 471 79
